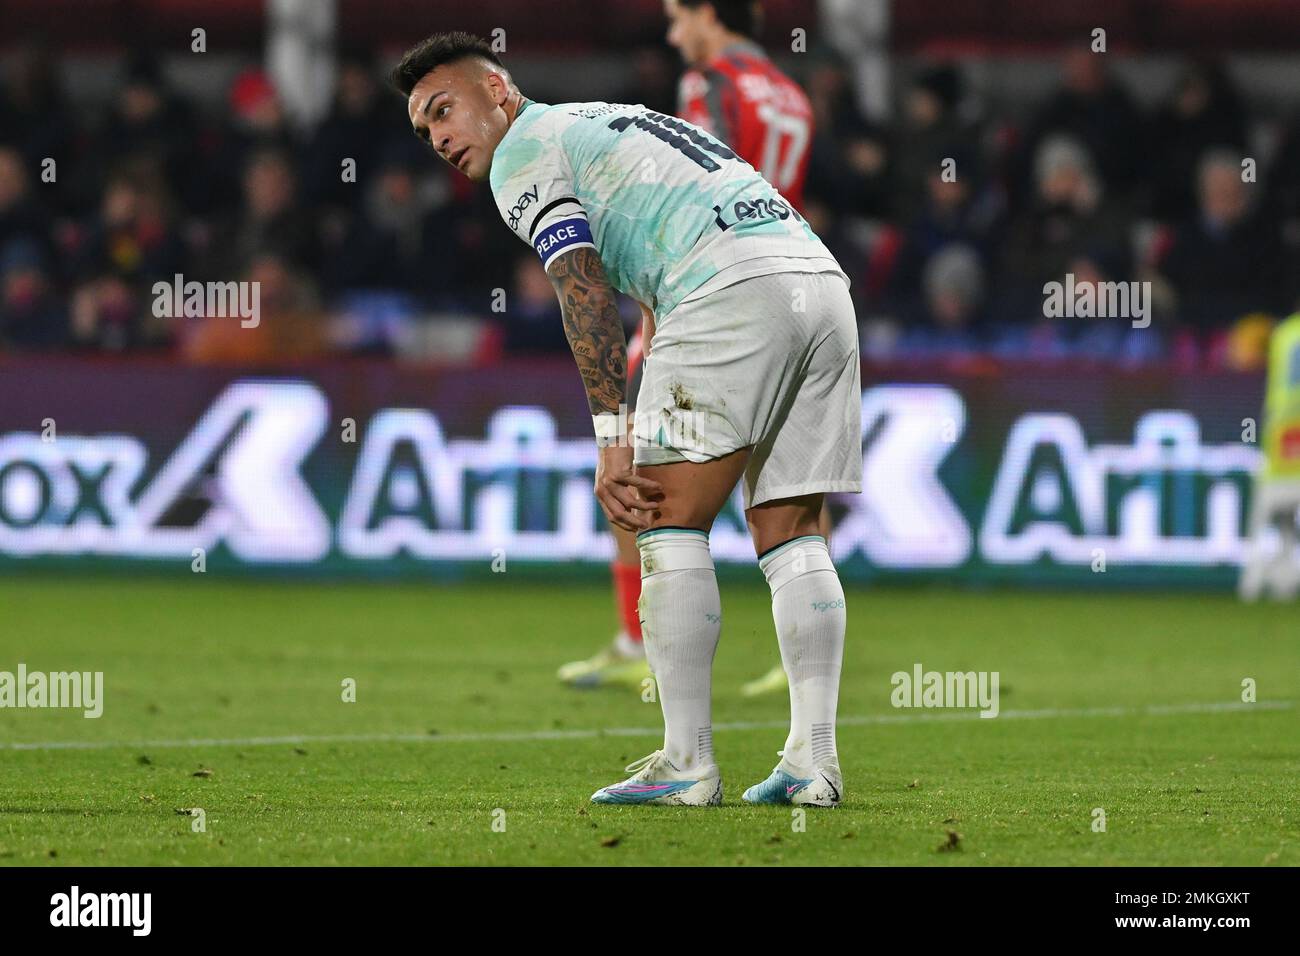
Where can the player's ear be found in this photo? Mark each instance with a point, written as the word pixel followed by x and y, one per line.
pixel 498 87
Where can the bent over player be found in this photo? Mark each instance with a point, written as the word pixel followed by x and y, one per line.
pixel 734 92
pixel 752 375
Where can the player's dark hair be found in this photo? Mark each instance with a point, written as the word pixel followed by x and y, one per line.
pixel 738 16
pixel 437 50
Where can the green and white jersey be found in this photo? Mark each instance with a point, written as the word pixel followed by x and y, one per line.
pixel 666 205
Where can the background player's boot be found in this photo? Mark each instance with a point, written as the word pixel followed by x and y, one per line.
pixel 802 786
pixel 771 682
pixel 655 780
pixel 621 664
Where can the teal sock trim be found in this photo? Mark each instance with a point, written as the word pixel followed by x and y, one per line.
pixel 654 531
pixel 772 552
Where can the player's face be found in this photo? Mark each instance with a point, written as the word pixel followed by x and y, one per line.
pixel 458 109
pixel 686 30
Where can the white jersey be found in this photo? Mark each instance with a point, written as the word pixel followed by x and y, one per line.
pixel 666 205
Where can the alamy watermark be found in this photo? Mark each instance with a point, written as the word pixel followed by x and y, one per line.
pixel 179 299
pixel 958 689
pixel 83 690
pixel 1088 299
pixel 75 908
pixel 678 427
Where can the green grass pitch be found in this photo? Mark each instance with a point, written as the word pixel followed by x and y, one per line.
pixel 1126 702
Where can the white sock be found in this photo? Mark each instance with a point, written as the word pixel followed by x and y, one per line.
pixel 625 645
pixel 808 608
pixel 681 618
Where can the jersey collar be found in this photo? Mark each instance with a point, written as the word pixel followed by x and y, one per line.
pixel 744 46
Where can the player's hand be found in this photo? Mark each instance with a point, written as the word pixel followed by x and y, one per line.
pixel 628 500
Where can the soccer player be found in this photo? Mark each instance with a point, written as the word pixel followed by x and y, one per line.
pixel 753 377
pixel 734 91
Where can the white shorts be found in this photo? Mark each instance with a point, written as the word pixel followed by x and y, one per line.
pixel 770 363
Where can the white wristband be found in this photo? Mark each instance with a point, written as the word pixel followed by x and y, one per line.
pixel 610 429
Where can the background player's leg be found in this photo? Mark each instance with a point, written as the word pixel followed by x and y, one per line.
pixel 626 567
pixel 808 609
pixel 622 662
pixel 626 572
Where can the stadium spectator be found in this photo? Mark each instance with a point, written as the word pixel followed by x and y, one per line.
pixel 410 209
pixel 253 122
pixel 363 245
pixel 132 236
pixel 361 126
pixel 21 215
pixel 401 238
pixel 109 315
pixel 534 324
pixel 849 167
pixel 1093 109
pixel 1282 204
pixel 31 317
pixel 149 128
pixel 34 116
pixel 950 321
pixel 1283 185
pixel 1204 113
pixel 955 209
pixel 1069 219
pixel 115 258
pixel 1226 261
pixel 270 220
pixel 931 131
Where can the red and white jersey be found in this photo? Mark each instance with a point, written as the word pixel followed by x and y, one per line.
pixel 763 115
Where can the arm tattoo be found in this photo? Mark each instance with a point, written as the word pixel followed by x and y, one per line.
pixel 593 327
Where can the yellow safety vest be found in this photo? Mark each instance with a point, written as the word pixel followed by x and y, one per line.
pixel 1282 402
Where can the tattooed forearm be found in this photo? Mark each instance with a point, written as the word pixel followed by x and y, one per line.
pixel 593 327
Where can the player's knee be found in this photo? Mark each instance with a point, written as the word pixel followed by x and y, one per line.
pixel 806 554
pixel 775 522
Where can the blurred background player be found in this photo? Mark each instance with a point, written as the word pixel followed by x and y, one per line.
pixel 622 663
pixel 732 89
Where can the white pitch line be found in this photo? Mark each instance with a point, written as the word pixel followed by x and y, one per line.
pixel 521 735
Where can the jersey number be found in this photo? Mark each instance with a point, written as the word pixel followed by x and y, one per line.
pixel 780 172
pixel 679 136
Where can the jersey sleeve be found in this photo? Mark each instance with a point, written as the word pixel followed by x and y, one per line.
pixel 536 195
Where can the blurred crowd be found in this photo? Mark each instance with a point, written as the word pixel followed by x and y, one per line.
pixel 1089 190
pixel 949 221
